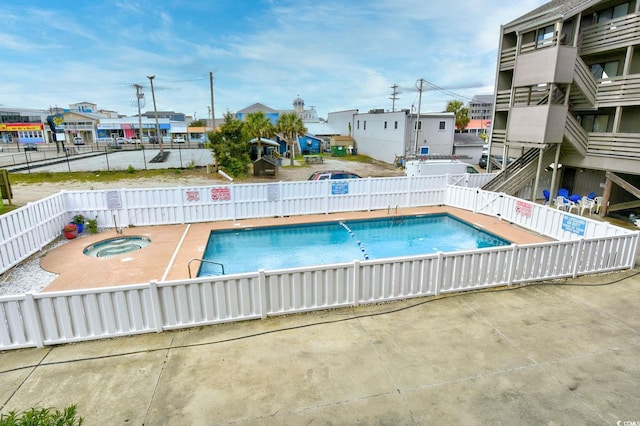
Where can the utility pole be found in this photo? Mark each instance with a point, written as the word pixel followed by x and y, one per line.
pixel 421 81
pixel 394 97
pixel 140 95
pixel 213 113
pixel 155 110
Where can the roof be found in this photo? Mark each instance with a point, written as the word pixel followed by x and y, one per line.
pixel 478 124
pixel 264 141
pixel 482 99
pixel 555 8
pixel 255 108
pixel 320 129
pixel 467 139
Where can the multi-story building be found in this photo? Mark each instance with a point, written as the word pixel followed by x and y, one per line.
pixel 481 107
pixel 567 100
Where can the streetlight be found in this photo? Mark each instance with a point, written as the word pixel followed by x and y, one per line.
pixel 155 110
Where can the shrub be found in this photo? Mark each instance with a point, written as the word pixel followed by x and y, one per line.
pixel 41 417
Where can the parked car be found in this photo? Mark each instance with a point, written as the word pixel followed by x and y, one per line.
pixel 122 141
pixel 482 163
pixel 30 146
pixel 179 140
pixel 78 140
pixel 333 174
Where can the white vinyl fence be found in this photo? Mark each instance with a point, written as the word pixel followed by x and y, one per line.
pixel 584 246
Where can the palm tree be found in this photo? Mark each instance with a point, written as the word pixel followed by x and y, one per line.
pixel 462 117
pixel 290 126
pixel 258 125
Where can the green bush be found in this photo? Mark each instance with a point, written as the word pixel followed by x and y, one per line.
pixel 42 417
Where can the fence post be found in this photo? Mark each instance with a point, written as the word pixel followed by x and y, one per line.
pixel 232 194
pixel 33 320
pixel 512 263
pixel 355 291
pixel 262 286
pixel 280 199
pixel 439 274
pixel 577 258
pixel 369 193
pixel 155 305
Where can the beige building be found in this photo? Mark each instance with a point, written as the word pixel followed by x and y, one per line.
pixel 567 101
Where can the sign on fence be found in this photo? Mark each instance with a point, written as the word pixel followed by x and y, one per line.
pixel 574 225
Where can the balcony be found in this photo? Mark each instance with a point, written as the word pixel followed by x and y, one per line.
pixel 555 64
pixel 619 91
pixel 613 34
pixel 618 145
pixel 537 124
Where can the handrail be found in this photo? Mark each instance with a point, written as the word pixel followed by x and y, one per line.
pixel 206 261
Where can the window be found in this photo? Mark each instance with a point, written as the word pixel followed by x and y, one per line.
pixel 364 125
pixel 385 124
pixel 442 125
pixel 595 123
pixel 395 124
pixel 358 125
pixel 419 125
pixel 544 36
pixel 605 69
pixel 613 12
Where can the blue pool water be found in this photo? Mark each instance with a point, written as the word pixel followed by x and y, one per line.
pixel 281 247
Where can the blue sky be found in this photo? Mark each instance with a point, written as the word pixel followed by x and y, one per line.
pixel 335 55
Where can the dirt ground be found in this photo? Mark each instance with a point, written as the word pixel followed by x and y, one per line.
pixel 26 193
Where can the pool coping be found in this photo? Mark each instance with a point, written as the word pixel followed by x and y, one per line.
pixel 174 246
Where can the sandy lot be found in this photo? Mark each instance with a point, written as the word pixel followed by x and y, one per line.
pixel 25 193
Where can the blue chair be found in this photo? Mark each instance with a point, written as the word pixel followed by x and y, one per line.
pixel 575 198
pixel 591 195
pixel 563 192
pixel 546 196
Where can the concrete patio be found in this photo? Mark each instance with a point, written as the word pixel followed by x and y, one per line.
pixel 566 352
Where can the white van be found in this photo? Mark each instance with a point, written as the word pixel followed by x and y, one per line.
pixel 437 167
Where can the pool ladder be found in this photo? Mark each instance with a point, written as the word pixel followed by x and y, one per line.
pixel 205 261
pixel 395 219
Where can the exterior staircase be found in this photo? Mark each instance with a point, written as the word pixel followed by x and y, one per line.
pixel 519 173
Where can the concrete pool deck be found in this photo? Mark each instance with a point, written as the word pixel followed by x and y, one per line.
pixel 559 353
pixel 173 246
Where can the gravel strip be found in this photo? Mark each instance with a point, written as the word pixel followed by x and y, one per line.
pixel 28 276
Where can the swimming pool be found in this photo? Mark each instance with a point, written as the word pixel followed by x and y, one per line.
pixel 281 247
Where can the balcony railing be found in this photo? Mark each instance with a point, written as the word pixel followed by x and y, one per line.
pixel 623 90
pixel 499 136
pixel 619 145
pixel 507 58
pixel 576 135
pixel 585 81
pixel 613 34
pixel 502 100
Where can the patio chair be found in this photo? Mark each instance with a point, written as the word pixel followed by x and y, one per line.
pixel 547 195
pixel 597 202
pixel 586 204
pixel 565 204
pixel 591 195
pixel 563 192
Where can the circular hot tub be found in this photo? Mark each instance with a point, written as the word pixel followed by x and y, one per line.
pixel 116 246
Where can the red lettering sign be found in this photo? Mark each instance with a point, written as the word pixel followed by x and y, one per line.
pixel 220 194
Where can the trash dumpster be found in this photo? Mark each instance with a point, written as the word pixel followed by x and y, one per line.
pixel 338 151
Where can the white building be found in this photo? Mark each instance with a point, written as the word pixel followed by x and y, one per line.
pixel 388 135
